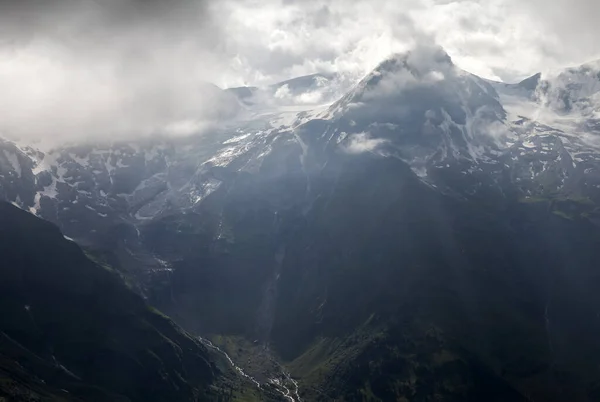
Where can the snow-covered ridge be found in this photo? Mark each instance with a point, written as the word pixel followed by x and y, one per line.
pixel 98 185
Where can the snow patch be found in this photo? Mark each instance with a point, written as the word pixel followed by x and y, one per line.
pixel 237 139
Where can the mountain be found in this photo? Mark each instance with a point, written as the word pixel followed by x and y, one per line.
pixel 430 235
pixel 73 331
pixel 420 108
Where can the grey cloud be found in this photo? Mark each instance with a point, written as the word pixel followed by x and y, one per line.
pixel 572 26
pixel 74 22
pixel 526 36
pixel 322 17
pixel 104 68
pixel 580 16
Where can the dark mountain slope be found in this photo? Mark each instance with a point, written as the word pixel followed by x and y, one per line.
pixel 72 330
pixel 393 291
pixel 377 285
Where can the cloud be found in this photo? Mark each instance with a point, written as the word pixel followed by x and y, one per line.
pixel 275 40
pixel 284 95
pixel 104 69
pixel 500 39
pixel 362 142
pixel 570 27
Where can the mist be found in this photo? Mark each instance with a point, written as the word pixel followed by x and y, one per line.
pixel 106 69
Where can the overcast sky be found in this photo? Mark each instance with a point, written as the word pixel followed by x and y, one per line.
pixel 92 67
pixel 499 39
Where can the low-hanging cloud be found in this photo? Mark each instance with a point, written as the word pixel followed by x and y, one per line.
pixel 362 142
pixel 104 69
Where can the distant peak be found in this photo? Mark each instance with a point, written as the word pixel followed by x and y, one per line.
pixel 531 83
pixel 425 62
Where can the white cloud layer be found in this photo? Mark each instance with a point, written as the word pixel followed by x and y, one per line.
pixel 362 142
pixel 95 68
pixel 501 39
pixel 74 69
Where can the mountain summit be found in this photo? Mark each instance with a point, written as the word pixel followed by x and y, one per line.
pixel 424 110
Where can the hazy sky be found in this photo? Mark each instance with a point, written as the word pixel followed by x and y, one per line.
pixel 76 68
